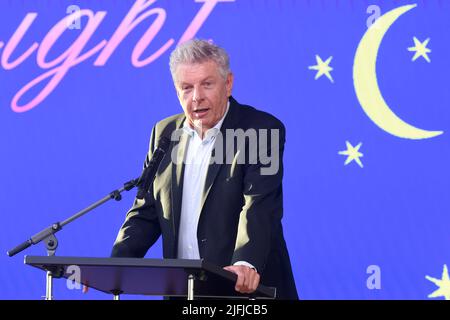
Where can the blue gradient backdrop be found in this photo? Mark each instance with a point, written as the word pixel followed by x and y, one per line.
pixel 91 134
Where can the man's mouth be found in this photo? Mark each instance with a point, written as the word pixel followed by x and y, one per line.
pixel 200 112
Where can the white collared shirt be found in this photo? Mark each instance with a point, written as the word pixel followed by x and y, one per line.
pixel 198 155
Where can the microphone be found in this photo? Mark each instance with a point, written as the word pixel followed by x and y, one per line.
pixel 149 173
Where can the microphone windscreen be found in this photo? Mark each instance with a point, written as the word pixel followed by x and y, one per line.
pixel 163 143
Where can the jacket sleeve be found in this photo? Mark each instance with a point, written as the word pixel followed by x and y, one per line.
pixel 141 228
pixel 263 202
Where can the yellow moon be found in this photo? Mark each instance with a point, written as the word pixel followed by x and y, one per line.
pixel 366 84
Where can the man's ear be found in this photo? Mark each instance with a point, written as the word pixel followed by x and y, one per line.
pixel 229 83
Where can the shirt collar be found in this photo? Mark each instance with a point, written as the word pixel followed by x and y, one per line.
pixel 210 133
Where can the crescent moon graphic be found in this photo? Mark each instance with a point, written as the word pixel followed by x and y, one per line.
pixel 366 85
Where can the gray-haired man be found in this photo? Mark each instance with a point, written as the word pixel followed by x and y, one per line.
pixel 217 204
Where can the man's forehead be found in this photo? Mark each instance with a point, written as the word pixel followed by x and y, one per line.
pixel 197 71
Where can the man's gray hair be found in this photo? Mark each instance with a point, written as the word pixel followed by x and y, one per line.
pixel 199 51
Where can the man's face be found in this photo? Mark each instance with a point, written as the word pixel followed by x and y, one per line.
pixel 203 93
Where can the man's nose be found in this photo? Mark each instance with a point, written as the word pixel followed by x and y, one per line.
pixel 197 95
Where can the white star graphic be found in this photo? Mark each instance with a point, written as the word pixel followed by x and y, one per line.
pixel 352 153
pixel 322 68
pixel 443 284
pixel 420 49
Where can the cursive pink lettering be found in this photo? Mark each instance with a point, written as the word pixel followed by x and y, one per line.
pixel 200 18
pixel 14 41
pixel 68 59
pixel 57 68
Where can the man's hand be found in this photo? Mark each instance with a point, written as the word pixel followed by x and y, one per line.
pixel 248 278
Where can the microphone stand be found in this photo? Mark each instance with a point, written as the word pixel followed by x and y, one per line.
pixel 51 243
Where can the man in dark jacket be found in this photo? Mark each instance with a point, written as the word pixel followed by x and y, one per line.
pixel 217 194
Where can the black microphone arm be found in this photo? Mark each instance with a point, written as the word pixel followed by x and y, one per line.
pixel 143 183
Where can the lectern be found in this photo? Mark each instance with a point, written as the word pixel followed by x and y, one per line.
pixel 135 276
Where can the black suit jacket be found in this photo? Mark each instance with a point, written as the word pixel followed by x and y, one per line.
pixel 241 210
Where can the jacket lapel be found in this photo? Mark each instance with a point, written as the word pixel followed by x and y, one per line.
pixel 213 170
pixel 177 178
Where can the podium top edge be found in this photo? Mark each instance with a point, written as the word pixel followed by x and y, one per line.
pixel 106 261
